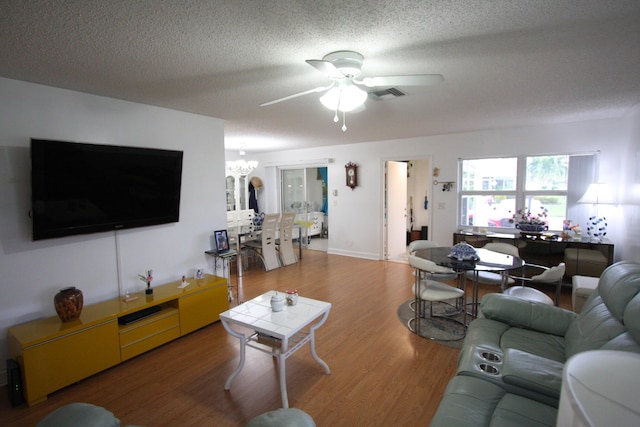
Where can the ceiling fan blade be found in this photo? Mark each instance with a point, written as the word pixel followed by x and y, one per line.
pixel 417 80
pixel 295 95
pixel 326 68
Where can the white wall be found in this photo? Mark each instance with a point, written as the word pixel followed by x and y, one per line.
pixel 356 215
pixel 32 272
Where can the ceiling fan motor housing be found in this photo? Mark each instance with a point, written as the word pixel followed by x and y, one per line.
pixel 347 62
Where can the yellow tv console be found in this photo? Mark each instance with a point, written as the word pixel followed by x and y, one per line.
pixel 53 354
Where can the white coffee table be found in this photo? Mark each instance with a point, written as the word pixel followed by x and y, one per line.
pixel 278 333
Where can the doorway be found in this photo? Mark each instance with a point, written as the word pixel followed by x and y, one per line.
pixel 304 191
pixel 406 211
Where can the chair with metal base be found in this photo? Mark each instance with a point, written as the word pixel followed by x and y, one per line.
pixel 427 244
pixel 551 275
pixel 429 290
pixel 491 278
pixel 416 245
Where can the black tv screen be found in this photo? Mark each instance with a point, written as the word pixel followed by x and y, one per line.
pixel 79 188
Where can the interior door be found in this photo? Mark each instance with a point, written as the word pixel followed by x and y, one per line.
pixel 304 191
pixel 396 210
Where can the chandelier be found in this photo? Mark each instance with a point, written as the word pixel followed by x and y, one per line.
pixel 241 167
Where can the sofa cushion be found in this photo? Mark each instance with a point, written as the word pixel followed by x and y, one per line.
pixel 470 401
pixel 618 285
pixel 594 327
pixel 526 314
pixel 632 318
pixel 602 318
pixel 543 345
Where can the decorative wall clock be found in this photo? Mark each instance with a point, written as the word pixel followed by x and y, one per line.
pixel 352 174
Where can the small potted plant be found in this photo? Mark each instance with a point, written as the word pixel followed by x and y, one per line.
pixel 147 279
pixel 529 222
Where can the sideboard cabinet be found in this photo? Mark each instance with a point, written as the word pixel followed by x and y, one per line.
pixel 53 354
pixel 540 250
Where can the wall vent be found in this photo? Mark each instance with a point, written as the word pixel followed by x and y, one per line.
pixel 385 94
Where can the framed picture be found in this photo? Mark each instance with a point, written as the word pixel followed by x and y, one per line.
pixel 222 240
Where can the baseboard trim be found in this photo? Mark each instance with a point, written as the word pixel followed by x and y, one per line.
pixel 363 255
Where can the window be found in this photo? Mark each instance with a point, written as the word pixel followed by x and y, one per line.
pixel 494 189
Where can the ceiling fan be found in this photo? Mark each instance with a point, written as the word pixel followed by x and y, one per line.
pixel 344 93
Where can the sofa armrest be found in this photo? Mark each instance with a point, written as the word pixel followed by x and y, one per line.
pixel 531 372
pixel 527 314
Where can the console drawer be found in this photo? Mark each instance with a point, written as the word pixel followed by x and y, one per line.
pixel 149 333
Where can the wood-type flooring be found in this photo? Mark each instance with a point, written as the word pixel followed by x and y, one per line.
pixel 381 374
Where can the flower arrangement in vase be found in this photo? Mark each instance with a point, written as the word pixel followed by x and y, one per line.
pixel 529 222
pixel 597 228
pixel 147 279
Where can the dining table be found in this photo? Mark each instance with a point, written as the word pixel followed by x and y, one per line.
pixel 486 260
pixel 242 233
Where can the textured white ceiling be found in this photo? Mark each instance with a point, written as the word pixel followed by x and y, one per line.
pixel 505 62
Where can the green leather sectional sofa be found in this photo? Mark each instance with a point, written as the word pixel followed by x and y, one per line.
pixel 510 366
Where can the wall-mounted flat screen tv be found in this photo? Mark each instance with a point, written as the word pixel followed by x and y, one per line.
pixel 79 188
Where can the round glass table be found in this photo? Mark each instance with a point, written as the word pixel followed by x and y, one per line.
pixel 487 261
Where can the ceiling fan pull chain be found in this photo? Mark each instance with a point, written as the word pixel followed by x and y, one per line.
pixel 344 121
pixel 335 117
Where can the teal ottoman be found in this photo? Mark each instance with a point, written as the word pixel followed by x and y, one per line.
pixel 80 415
pixel 283 417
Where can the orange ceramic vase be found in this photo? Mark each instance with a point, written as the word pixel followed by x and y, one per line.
pixel 68 303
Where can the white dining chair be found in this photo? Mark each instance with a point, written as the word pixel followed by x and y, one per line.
pixel 502 278
pixel 265 247
pixel 549 275
pixel 284 243
pixel 427 290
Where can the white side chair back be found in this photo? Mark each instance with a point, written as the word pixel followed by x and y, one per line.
pixel 490 278
pixel 549 275
pixel 421 244
pixel 266 246
pixel 416 245
pixel 287 254
pixel 503 248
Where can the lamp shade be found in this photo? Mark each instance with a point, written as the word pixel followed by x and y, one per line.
pixel 598 193
pixel 600 388
pixel 345 98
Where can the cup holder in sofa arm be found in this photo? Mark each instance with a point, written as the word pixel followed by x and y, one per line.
pixel 490 356
pixel 516 371
pixel 489 369
pixel 481 362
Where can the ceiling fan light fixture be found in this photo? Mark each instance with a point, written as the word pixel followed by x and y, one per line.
pixel 348 62
pixel 344 98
